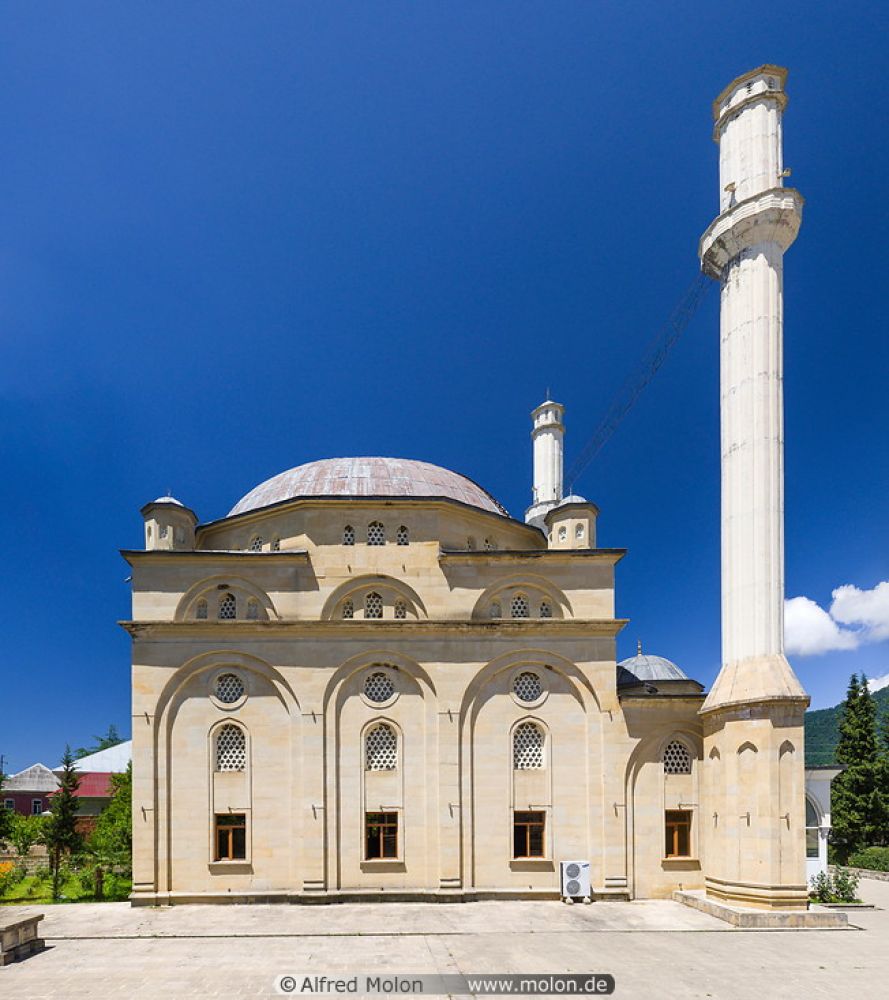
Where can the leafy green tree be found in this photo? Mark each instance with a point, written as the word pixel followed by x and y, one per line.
pixel 859 808
pixel 111 842
pixel 110 739
pixel 27 831
pixel 61 835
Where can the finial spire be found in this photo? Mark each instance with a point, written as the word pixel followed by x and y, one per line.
pixel 638 647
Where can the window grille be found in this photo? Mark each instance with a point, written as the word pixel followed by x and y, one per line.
pixel 402 536
pixel 231 749
pixel 201 611
pixel 378 687
pixel 276 544
pixel 496 610
pixel 373 605
pixel 256 543
pixel 253 609
pixel 376 533
pixel 490 545
pixel 348 608
pixel 229 688
pixel 527 686
pixel 228 607
pixel 400 609
pixel 381 748
pixel 348 535
pixel 527 747
pixel 677 759
pixel 520 607
pixel 546 609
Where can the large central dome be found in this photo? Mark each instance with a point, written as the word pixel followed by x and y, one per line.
pixel 367 477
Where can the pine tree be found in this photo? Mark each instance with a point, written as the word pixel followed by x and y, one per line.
pixel 61 834
pixel 6 815
pixel 857 805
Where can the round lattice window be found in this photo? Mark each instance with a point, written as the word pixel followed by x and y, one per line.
pixel 231 749
pixel 376 534
pixel 378 687
pixel 381 748
pixel 527 747
pixel 229 688
pixel 677 759
pixel 520 607
pixel 527 687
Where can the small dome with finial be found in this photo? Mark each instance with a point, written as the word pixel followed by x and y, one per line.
pixel 645 668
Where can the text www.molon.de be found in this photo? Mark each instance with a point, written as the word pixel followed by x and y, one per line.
pixel 390 984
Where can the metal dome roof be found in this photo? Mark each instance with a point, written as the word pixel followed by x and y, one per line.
pixel 367 477
pixel 643 668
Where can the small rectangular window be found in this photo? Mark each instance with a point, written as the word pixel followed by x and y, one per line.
pixel 36 807
pixel 528 830
pixel 380 835
pixel 677 825
pixel 231 836
pixel 9 803
pixel 812 842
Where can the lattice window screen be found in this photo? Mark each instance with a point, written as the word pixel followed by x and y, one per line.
pixel 231 749
pixel 520 607
pixel 527 747
pixel 376 533
pixel 228 607
pixel 381 748
pixel 677 759
pixel 229 687
pixel 378 687
pixel 373 605
pixel 527 686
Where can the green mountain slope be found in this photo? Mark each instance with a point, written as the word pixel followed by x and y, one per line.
pixel 822 730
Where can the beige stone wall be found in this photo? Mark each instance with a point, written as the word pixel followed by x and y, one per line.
pixel 305 788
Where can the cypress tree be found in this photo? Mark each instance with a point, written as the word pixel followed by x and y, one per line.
pixel 857 806
pixel 61 835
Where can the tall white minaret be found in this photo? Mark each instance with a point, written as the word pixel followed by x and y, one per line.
pixel 753 714
pixel 547 435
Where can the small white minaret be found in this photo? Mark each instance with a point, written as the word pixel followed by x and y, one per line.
pixel 547 435
pixel 753 822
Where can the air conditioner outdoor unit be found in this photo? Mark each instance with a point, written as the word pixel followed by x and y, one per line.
pixel 575 878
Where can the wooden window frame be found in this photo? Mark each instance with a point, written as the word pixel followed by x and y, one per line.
pixel 383 822
pixel 229 828
pixel 527 825
pixel 676 823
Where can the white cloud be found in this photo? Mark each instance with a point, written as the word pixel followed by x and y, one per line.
pixel 809 629
pixel 878 683
pixel 867 608
pixel 855 617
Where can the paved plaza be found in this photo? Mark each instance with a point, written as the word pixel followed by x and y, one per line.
pixel 653 948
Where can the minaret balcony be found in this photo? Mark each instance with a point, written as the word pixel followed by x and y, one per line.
pixel 772 216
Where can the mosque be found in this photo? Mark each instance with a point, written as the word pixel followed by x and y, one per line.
pixel 368 680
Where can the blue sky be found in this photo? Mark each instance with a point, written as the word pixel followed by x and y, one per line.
pixel 240 237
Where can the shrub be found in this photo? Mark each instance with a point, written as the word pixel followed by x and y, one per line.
pixel 822 887
pixel 845 885
pixel 874 858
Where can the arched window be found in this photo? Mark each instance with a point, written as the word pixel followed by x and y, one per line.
pixel 520 607
pixel 490 545
pixel 348 535
pixel 677 759
pixel 252 610
pixel 164 531
pixel 812 829
pixel 400 609
pixel 256 543
pixel 376 533
pixel 228 608
pixel 546 609
pixel 381 748
pixel 578 532
pixel 496 610
pixel 563 533
pixel 402 536
pixel 527 747
pixel 201 610
pixel 231 748
pixel 348 608
pixel 373 605
pixel 470 544
pixel 276 544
